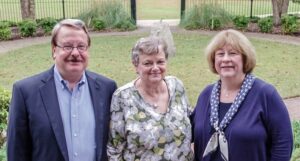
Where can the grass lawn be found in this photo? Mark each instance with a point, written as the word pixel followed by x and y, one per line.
pixel 110 55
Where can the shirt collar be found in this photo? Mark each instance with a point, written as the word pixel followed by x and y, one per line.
pixel 64 83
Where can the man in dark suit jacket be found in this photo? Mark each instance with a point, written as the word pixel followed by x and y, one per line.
pixel 61 114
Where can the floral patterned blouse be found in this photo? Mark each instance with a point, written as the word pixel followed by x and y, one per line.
pixel 139 133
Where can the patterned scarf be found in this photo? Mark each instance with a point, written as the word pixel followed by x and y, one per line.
pixel 218 138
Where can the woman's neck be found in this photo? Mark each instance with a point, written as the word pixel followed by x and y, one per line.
pixel 232 84
pixel 151 88
pixel 230 88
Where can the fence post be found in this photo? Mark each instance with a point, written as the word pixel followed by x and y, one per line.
pixel 251 7
pixel 182 9
pixel 63 5
pixel 133 10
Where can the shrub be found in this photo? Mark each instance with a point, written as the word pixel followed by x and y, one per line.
pixel 265 24
pixel 98 24
pixel 203 17
pixel 289 24
pixel 254 19
pixel 296 1
pixel 27 28
pixel 214 23
pixel 10 23
pixel 47 24
pixel 240 22
pixel 5 32
pixel 4 104
pixel 296 132
pixel 111 12
pixel 125 24
pixel 2 154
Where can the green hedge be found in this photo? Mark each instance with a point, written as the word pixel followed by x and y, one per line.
pixel 206 16
pixel 296 132
pixel 4 104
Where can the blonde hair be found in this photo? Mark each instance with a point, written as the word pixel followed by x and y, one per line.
pixel 238 42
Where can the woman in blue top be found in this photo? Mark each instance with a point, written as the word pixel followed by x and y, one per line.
pixel 240 117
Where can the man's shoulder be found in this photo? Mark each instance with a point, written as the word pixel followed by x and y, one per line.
pixel 34 79
pixel 99 77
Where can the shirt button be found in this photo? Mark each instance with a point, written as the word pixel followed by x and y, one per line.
pixel 74 116
pixel 75 154
pixel 75 134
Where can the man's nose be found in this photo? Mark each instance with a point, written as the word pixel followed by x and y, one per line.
pixel 75 52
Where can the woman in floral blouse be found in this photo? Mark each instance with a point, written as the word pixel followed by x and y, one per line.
pixel 150 115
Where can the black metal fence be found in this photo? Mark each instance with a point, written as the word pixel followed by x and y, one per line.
pixel 11 9
pixel 260 8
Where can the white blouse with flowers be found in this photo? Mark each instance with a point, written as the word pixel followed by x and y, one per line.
pixel 139 133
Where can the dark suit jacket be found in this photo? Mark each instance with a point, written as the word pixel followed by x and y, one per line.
pixel 35 130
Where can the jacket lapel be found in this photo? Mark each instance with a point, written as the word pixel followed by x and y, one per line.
pixel 49 96
pixel 97 100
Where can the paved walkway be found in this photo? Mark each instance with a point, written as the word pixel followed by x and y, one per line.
pixel 144 27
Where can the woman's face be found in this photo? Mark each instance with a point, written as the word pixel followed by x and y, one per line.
pixel 152 68
pixel 228 62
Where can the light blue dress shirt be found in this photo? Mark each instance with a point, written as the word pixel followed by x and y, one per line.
pixel 78 118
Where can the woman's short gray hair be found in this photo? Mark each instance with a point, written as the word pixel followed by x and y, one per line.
pixel 148 45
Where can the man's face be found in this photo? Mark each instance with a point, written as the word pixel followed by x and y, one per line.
pixel 70 55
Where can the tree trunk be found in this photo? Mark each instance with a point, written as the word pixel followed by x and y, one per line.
pixel 280 7
pixel 276 13
pixel 27 9
pixel 285 6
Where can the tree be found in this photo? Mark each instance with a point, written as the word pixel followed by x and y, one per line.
pixel 280 7
pixel 28 9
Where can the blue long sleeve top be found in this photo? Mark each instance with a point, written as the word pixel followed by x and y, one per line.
pixel 260 131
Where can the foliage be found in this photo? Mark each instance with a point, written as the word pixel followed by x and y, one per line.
pixel 296 155
pixel 4 105
pixel 201 17
pixel 111 12
pixel 5 32
pixel 241 22
pixel 265 24
pixel 2 153
pixel 98 24
pixel 289 24
pixel 125 24
pixel 27 28
pixel 10 23
pixel 296 1
pixel 47 24
pixel 296 131
pixel 215 23
pixel 254 19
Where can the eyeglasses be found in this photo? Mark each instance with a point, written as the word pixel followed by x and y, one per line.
pixel 69 49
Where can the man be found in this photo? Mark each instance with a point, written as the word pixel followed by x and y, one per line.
pixel 61 114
